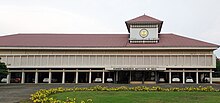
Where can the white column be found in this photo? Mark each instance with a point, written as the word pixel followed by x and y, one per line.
pixel 50 76
pixel 77 76
pixel 170 77
pixel 197 76
pixel 8 77
pixel 183 76
pixel 103 76
pixel 63 77
pixel 22 77
pixel 36 77
pixel 90 76
pixel 210 76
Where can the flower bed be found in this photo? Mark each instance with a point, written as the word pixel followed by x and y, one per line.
pixel 42 96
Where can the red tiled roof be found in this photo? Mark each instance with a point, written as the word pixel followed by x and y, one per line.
pixel 144 19
pixel 94 40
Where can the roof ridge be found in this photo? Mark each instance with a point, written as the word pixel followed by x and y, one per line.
pixel 8 35
pixel 68 34
pixel 58 34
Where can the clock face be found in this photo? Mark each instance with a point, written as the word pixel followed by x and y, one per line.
pixel 143 33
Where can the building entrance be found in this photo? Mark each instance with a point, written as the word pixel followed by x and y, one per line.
pixel 137 77
pixel 124 77
pixel 143 77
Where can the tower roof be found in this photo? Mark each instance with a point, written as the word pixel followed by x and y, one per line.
pixel 144 19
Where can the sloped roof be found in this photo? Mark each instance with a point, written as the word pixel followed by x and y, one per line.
pixel 94 40
pixel 144 19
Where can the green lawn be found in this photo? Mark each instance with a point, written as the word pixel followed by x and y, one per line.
pixel 141 97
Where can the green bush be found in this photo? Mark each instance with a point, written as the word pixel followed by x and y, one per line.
pixel 42 96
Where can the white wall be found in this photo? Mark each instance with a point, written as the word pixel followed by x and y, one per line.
pixel 134 34
pixel 169 59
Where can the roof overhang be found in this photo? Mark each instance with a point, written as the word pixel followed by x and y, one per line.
pixel 108 48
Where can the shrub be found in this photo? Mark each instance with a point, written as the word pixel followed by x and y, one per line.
pixel 42 96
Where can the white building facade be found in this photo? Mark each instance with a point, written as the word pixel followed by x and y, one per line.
pixel 144 56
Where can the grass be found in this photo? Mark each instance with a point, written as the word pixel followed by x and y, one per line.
pixel 141 97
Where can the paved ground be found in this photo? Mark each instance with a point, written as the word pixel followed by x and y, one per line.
pixel 13 93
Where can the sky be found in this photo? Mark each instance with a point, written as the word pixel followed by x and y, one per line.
pixel 198 19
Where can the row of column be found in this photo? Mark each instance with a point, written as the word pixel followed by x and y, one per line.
pixel 197 76
pixel 50 77
pixel 103 76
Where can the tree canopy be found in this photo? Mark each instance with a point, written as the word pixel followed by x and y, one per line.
pixel 217 64
pixel 3 68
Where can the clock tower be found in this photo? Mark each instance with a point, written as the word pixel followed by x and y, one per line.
pixel 144 29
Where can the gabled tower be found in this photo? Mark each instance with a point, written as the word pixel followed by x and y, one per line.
pixel 144 29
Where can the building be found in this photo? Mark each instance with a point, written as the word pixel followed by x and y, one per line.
pixel 144 55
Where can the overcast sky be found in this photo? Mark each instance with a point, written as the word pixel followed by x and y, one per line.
pixel 199 19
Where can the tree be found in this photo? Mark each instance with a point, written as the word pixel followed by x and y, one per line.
pixel 3 68
pixel 217 64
